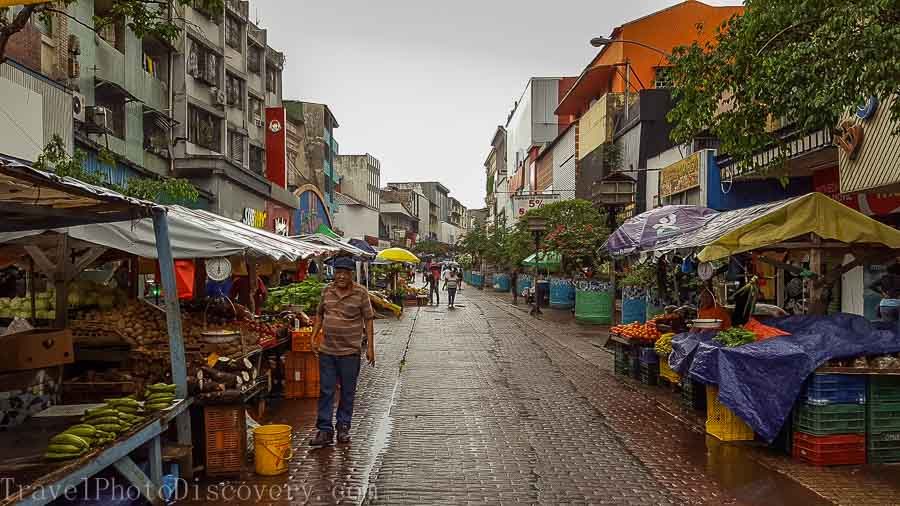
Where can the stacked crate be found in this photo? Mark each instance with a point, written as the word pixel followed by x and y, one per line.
pixel 883 425
pixel 648 364
pixel 830 420
pixel 721 422
pixel 693 393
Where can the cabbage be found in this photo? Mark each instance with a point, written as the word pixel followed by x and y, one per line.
pixel 4 301
pixel 90 299
pixel 42 304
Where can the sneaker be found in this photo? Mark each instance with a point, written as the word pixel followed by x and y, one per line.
pixel 322 439
pixel 343 436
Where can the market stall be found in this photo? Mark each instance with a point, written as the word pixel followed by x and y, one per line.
pixel 766 374
pixel 120 343
pixel 33 199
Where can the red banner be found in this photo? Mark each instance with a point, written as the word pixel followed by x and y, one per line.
pixel 276 146
pixel 870 203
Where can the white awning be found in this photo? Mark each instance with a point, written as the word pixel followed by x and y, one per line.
pixel 193 234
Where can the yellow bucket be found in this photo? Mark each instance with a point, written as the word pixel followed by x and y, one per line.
pixel 272 449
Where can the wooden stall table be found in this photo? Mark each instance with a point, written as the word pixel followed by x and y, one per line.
pixel 36 481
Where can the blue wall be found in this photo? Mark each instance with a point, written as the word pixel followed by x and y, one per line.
pixel 310 215
pixel 750 193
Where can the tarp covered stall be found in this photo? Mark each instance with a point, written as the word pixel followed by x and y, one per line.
pixel 760 381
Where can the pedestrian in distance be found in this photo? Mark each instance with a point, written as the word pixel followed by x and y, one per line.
pixel 434 292
pixel 345 313
pixel 451 282
pixel 514 282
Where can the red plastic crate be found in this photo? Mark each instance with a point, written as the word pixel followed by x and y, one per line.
pixel 835 450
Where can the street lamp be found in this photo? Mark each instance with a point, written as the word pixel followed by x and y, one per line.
pixel 603 41
pixel 537 226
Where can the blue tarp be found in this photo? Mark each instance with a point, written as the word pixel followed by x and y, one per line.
pixel 760 381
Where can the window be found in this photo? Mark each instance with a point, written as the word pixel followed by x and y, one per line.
pixel 115 102
pixel 256 110
pixel 234 90
pixel 204 128
pixel 254 60
pixel 234 33
pixel 271 79
pixel 662 77
pixel 203 64
pixel 236 147
pixel 257 160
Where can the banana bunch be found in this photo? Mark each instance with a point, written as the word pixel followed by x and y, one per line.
pixel 159 396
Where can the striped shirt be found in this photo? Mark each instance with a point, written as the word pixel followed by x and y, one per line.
pixel 345 317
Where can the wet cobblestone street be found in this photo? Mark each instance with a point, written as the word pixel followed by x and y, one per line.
pixel 485 405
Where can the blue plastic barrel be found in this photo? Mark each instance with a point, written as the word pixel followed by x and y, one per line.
pixel 501 282
pixel 562 293
pixel 523 283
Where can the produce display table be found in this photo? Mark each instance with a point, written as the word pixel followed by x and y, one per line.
pixel 870 371
pixel 35 481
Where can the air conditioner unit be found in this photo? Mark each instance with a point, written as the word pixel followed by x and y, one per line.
pixel 78 107
pixel 219 96
pixel 98 118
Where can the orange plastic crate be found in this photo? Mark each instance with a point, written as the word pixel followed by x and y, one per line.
pixel 301 375
pixel 301 340
pixel 226 436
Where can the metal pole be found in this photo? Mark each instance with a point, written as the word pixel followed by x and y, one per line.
pixel 173 310
pixel 173 320
pixel 627 83
pixel 537 245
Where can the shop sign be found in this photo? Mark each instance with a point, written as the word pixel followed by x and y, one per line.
pixel 254 218
pixel 869 203
pixel 281 226
pixel 524 203
pixel 681 176
pixel 867 158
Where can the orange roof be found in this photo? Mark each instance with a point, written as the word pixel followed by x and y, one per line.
pixel 593 79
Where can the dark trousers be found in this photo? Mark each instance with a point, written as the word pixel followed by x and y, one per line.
pixel 433 294
pixel 515 293
pixel 331 368
pixel 451 294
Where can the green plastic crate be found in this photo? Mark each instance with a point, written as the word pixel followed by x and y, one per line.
pixel 884 389
pixel 883 416
pixel 830 419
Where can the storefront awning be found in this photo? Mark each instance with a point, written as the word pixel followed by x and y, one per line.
pixel 193 234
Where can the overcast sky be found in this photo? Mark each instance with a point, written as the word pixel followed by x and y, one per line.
pixel 422 84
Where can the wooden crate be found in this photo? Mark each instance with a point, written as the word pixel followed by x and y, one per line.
pixel 301 375
pixel 226 439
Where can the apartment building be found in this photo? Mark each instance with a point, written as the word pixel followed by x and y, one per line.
pixel 358 195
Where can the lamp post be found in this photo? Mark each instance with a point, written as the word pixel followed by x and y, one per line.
pixel 537 226
pixel 613 192
pixel 604 41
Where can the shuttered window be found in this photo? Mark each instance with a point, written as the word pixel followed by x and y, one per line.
pixel 236 147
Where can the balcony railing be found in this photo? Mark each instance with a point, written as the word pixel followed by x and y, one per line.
pixel 110 63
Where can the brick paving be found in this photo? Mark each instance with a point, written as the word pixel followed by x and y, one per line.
pixel 485 405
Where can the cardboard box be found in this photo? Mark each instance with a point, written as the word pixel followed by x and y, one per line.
pixel 34 349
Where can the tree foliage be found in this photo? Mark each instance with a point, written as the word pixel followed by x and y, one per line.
pixel 576 230
pixel 806 61
pixel 143 17
pixel 163 190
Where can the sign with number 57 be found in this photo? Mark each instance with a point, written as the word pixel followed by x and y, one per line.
pixel 524 203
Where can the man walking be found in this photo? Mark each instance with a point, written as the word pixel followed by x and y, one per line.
pixel 346 313
pixel 514 283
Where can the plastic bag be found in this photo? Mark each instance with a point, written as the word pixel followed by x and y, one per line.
pixel 251 425
pixel 861 362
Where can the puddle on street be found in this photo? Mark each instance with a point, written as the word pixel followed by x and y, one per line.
pixel 750 482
